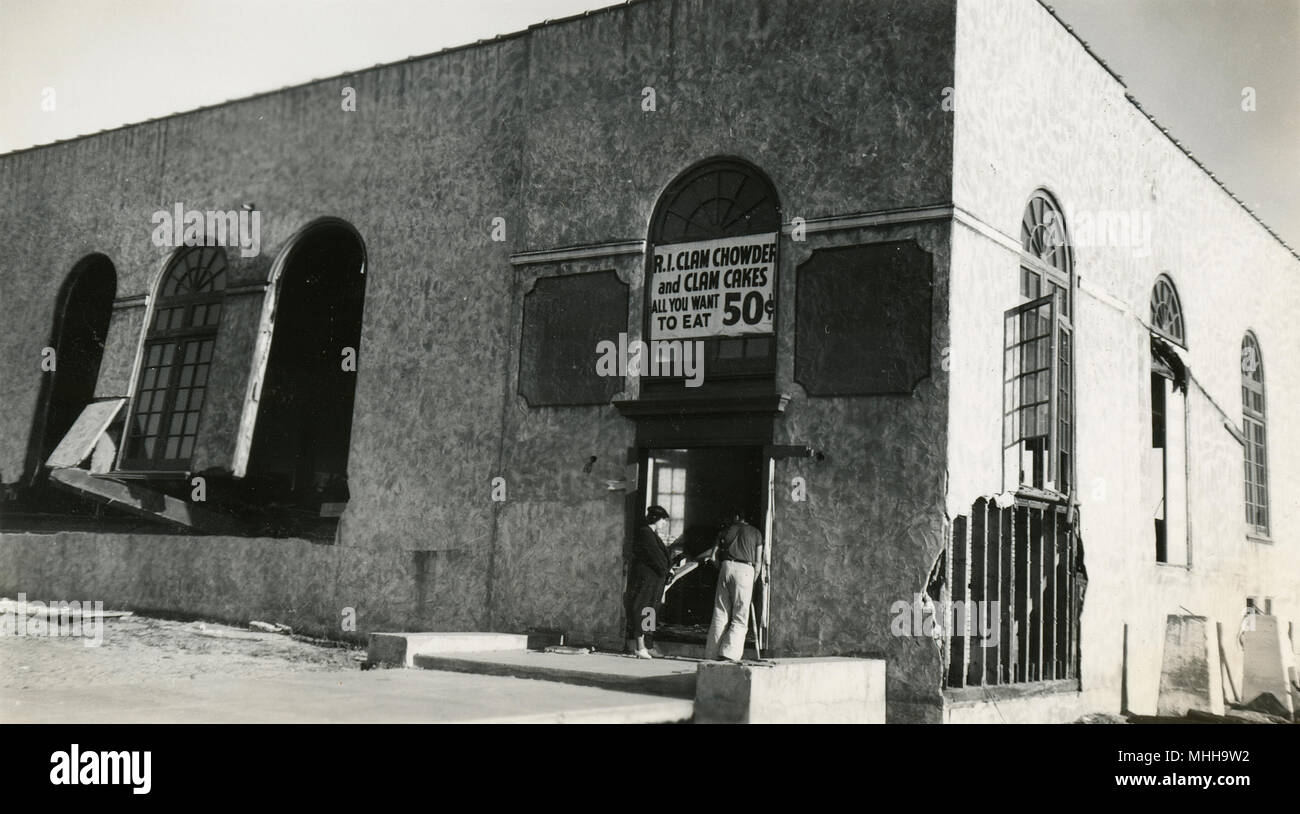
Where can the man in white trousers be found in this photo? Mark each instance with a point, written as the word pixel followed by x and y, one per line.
pixel 739 552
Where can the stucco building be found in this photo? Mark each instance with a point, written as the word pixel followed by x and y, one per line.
pixel 985 316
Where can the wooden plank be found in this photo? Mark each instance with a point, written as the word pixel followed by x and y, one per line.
pixel 1071 586
pixel 1051 560
pixel 1062 597
pixel 140 500
pixel 993 555
pixel 1036 535
pixel 1023 531
pixel 78 442
pixel 960 577
pixel 978 570
pixel 1006 597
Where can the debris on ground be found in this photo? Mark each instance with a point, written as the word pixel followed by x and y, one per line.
pixel 270 627
pixel 222 632
pixel 569 651
pixel 1102 718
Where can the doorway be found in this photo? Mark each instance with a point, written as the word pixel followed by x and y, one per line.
pixel 699 487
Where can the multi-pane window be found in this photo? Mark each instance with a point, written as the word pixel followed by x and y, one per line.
pixel 668 489
pixel 1038 432
pixel 1253 427
pixel 177 359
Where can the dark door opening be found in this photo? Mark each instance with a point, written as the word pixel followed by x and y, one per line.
pixel 699 486
pixel 298 461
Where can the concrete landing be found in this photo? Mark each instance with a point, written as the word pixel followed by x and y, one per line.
pixel 797 690
pixel 400 649
pixel 674 678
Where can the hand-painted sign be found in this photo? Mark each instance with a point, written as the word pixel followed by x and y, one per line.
pixel 713 288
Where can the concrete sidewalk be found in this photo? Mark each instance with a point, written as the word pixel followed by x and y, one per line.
pixel 375 696
pixel 155 670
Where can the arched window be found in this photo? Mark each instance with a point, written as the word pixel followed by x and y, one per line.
pixel 1043 237
pixel 720 199
pixel 1254 428
pixel 299 450
pixel 80 331
pixel 1167 312
pixel 1168 424
pixel 1038 403
pixel 174 367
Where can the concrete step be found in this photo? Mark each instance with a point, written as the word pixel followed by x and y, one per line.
pixel 400 649
pixel 673 678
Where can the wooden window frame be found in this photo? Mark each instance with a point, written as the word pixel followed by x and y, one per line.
pixel 1254 425
pixel 201 274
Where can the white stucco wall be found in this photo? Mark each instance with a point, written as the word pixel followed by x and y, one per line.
pixel 1035 110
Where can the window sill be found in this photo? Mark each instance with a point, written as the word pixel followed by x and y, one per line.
pixel 969 696
pixel 133 474
pixel 1256 537
pixel 1179 566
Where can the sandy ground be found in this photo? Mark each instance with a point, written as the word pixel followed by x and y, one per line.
pixel 136 648
pixel 154 670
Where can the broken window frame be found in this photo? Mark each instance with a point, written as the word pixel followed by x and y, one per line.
pixel 1169 378
pixel 1050 451
pixel 1046 271
pixel 1254 425
pixel 194 279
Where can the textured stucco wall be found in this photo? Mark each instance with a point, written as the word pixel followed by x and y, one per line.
pixel 837 102
pixel 1035 110
pixel 873 523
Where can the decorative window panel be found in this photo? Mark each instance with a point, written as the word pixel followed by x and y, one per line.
pixel 863 320
pixel 565 319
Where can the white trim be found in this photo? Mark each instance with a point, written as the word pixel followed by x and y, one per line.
pixel 1004 240
pixel 247 288
pixel 885 217
pixel 131 301
pixel 588 252
pixel 834 223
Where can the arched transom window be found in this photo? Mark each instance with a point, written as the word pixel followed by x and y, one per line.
pixel 714 221
pixel 177 357
pixel 723 198
pixel 1166 312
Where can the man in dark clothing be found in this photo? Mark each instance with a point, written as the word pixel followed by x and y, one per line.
pixel 645 580
pixel 740 551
